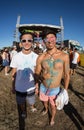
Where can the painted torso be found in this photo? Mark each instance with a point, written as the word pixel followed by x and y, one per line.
pixel 52 70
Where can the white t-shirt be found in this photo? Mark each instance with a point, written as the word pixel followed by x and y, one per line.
pixel 25 64
pixel 75 58
pixel 12 53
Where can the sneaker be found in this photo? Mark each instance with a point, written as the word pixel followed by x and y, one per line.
pixel 33 109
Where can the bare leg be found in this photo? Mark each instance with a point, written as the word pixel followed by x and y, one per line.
pixel 53 113
pixel 46 108
pixel 71 71
pixel 6 69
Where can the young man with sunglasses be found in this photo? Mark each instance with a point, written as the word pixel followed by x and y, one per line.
pixel 23 64
pixel 50 68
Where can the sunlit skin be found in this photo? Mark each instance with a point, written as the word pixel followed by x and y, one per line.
pixel 52 66
pixel 26 45
pixel 53 70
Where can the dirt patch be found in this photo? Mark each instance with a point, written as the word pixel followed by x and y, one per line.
pixel 70 118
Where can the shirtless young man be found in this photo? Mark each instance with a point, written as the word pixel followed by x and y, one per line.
pixel 51 66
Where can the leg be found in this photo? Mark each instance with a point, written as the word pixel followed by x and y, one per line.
pixel 31 101
pixel 46 108
pixel 53 113
pixel 73 71
pixel 6 69
pixel 21 110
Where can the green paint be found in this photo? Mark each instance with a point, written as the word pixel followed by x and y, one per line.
pixel 52 71
pixel 58 61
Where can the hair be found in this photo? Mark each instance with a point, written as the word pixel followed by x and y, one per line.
pixel 26 33
pixel 46 32
pixel 76 49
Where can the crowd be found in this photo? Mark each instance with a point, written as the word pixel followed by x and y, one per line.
pixel 36 71
pixel 7 54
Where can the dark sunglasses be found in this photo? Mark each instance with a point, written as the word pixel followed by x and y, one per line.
pixel 27 40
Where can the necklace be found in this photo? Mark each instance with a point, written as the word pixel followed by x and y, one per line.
pixel 51 56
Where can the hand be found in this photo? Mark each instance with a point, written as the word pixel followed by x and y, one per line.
pixel 36 91
pixel 13 90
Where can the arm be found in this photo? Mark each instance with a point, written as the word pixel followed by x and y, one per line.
pixel 37 73
pixel 13 80
pixel 66 71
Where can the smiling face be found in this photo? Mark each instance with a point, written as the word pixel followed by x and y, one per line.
pixel 26 41
pixel 50 41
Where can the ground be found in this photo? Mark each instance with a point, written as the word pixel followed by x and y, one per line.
pixel 70 118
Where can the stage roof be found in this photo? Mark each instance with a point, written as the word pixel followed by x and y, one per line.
pixel 38 27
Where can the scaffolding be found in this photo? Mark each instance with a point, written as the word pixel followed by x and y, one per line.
pixel 39 28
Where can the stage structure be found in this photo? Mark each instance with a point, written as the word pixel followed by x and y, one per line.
pixel 38 29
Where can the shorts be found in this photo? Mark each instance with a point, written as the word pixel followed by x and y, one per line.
pixel 73 66
pixel 48 94
pixel 21 98
pixel 5 63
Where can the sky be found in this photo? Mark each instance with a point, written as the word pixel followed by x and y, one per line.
pixel 42 12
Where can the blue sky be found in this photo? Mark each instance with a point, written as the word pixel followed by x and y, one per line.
pixel 42 12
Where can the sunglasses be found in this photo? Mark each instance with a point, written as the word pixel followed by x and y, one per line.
pixel 49 41
pixel 27 40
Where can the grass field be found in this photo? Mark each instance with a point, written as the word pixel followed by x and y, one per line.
pixel 82 59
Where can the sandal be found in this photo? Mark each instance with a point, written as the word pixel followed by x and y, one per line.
pixel 33 109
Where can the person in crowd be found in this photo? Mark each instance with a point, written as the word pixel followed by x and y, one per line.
pixel 50 68
pixel 65 50
pixel 38 49
pixel 1 58
pixel 70 57
pixel 23 64
pixel 6 60
pixel 75 61
pixel 13 52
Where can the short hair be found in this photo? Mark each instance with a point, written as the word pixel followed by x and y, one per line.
pixel 76 49
pixel 26 33
pixel 46 32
